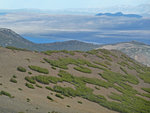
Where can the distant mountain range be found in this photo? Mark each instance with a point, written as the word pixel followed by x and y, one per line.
pixel 10 38
pixel 119 14
pixel 136 50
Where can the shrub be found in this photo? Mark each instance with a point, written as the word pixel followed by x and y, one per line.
pixel 123 70
pixel 101 64
pixel 30 79
pixel 48 97
pixel 49 88
pixel 29 86
pixel 13 80
pixel 28 100
pixel 68 106
pixel 79 102
pixel 83 69
pixel 5 93
pixel 14 48
pixel 20 89
pixel 21 69
pixel 14 76
pixel 38 86
pixel 42 79
pixel 53 67
pixel 59 96
pixel 145 76
pixel 29 73
pixel 146 89
pixel 39 69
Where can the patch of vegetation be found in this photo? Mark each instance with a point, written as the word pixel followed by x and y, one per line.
pixel 14 76
pixel 145 76
pixel 21 69
pixel 30 79
pixel 20 89
pixel 37 85
pixel 107 63
pixel 97 88
pixel 39 69
pixel 126 102
pixel 29 86
pixel 53 67
pixel 101 64
pixel 5 93
pixel 68 106
pixel 48 97
pixel 14 48
pixel 49 88
pixel 146 89
pixel 55 51
pixel 123 70
pixel 30 73
pixel 79 102
pixel 59 96
pixel 13 80
pixel 28 100
pixel 83 69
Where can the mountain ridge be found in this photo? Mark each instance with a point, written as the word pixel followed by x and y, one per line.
pixel 10 38
pixel 119 14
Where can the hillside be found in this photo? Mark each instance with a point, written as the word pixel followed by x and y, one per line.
pixel 10 38
pixel 136 50
pixel 97 81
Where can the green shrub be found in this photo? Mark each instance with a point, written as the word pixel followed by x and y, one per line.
pixel 145 76
pixel 38 86
pixel 101 64
pixel 5 93
pixel 48 97
pixel 21 69
pixel 14 48
pixel 68 106
pixel 53 67
pixel 49 88
pixel 14 76
pixel 20 89
pixel 83 69
pixel 59 96
pixel 29 86
pixel 146 89
pixel 29 73
pixel 107 63
pixel 39 69
pixel 13 80
pixel 28 100
pixel 30 79
pixel 97 88
pixel 79 102
pixel 123 70
pixel 42 79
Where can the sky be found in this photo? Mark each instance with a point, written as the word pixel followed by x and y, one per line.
pixel 65 4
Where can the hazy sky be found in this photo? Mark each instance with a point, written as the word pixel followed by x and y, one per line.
pixel 64 4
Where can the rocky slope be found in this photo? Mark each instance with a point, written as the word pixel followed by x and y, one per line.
pixel 97 81
pixel 136 50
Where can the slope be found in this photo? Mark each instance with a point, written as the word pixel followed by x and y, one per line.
pixel 136 50
pixel 97 81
